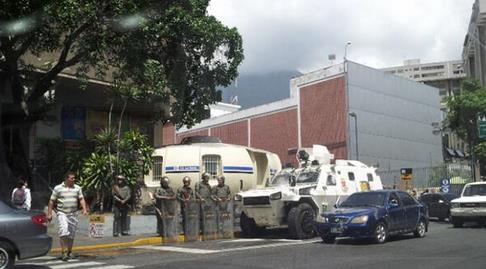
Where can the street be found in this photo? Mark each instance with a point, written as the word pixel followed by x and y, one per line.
pixel 443 247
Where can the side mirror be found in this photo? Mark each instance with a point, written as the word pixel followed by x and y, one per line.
pixel 393 203
pixel 292 181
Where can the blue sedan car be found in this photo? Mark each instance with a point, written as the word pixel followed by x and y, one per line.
pixel 374 214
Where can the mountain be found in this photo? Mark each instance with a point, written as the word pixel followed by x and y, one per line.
pixel 257 89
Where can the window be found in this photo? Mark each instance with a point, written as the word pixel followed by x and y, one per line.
pixel 212 164
pixel 370 177
pixel 157 168
pixel 331 181
pixel 406 199
pixel 351 176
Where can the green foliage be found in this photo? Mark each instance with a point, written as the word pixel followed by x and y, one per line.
pixel 157 52
pixel 131 156
pixel 464 110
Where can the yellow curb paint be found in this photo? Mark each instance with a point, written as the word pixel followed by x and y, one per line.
pixel 139 242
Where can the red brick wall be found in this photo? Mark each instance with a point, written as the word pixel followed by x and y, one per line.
pixel 191 133
pixel 323 116
pixel 168 134
pixel 276 133
pixel 232 133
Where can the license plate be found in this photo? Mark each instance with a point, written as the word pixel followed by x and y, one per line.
pixel 336 230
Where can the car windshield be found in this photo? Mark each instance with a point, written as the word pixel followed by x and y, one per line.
pixel 280 179
pixel 308 177
pixel 475 190
pixel 364 199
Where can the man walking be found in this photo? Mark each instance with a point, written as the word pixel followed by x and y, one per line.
pixel 121 195
pixel 65 200
pixel 165 192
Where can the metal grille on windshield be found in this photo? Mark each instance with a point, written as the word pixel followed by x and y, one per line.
pixel 262 200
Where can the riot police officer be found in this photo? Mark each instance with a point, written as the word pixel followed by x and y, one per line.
pixel 165 192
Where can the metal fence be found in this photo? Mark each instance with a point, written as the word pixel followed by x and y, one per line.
pixel 430 177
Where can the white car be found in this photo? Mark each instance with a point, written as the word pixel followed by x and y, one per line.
pixel 471 206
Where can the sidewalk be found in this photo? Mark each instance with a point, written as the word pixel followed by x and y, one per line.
pixel 141 227
pixel 83 242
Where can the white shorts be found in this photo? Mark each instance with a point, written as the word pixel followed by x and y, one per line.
pixel 68 223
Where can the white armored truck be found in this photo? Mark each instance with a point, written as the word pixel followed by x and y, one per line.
pixel 296 197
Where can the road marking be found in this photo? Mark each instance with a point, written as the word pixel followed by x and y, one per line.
pixel 212 251
pixel 243 240
pixel 73 265
pixel 179 249
pixel 41 258
pixel 113 267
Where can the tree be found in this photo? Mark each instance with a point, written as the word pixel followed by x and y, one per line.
pixel 464 111
pixel 159 52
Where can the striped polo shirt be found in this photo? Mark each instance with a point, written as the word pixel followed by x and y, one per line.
pixel 66 198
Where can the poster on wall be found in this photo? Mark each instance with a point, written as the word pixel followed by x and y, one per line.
pixel 96 121
pixel 73 123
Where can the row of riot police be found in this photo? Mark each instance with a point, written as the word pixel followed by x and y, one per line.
pixel 206 210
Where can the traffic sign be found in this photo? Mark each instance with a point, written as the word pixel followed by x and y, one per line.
pixel 406 174
pixel 482 129
pixel 445 185
pixel 96 226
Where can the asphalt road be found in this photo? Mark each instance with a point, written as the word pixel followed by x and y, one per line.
pixel 443 247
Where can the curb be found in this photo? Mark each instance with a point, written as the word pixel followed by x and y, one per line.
pixel 155 240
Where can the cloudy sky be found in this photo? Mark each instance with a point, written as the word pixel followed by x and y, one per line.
pixel 300 34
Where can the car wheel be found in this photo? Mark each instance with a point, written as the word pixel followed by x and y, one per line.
pixel 381 233
pixel 248 226
pixel 328 239
pixel 301 221
pixel 7 256
pixel 456 222
pixel 420 229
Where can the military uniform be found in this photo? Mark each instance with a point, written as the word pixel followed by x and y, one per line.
pixel 221 192
pixel 120 210
pixel 203 191
pixel 158 193
pixel 184 193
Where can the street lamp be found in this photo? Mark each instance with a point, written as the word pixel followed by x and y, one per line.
pixel 355 116
pixel 346 49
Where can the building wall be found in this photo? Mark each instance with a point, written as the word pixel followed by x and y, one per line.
pixel 168 134
pixel 395 117
pixel 232 133
pixel 276 133
pixel 323 115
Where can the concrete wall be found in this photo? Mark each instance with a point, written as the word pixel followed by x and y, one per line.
pixel 395 117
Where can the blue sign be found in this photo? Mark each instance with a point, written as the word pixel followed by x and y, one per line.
pixel 445 185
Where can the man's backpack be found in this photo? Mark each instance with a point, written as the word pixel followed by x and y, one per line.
pixel 19 197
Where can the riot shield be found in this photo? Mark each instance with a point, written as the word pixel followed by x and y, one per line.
pixel 209 224
pixel 224 210
pixel 169 220
pixel 191 221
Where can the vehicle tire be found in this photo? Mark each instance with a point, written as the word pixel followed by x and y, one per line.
pixel 381 233
pixel 449 218
pixel 248 226
pixel 301 220
pixel 456 222
pixel 7 256
pixel 328 239
pixel 420 229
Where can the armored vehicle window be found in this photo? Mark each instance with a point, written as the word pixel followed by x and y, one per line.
pixel 157 168
pixel 212 164
pixel 351 176
pixel 370 177
pixel 308 177
pixel 331 181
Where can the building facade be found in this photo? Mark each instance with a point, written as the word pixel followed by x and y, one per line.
pixel 447 77
pixel 356 111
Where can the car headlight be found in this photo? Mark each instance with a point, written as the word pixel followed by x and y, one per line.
pixel 276 196
pixel 238 197
pixel 455 205
pixel 360 219
pixel 305 191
